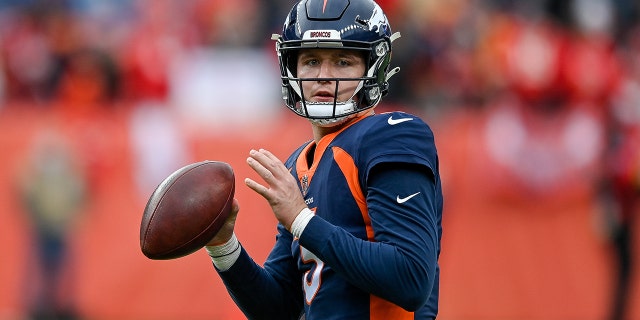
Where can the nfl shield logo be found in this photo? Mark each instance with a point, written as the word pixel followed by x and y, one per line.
pixel 304 185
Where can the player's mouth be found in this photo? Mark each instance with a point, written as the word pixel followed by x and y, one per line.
pixel 322 96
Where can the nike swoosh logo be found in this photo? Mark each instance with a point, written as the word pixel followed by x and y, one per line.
pixel 405 199
pixel 393 121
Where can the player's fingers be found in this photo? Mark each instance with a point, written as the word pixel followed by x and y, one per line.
pixel 260 189
pixel 260 169
pixel 270 162
pixel 269 155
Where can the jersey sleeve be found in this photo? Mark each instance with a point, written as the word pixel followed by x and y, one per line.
pixel 401 265
pixel 269 292
pixel 409 142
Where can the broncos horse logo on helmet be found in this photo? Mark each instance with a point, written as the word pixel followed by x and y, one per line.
pixel 336 24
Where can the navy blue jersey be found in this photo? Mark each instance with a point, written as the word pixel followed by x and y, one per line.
pixel 371 250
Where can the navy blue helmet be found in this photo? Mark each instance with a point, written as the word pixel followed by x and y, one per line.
pixel 337 24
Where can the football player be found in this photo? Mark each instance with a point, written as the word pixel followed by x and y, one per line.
pixel 360 205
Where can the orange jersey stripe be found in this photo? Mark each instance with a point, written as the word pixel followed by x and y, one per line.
pixel 380 309
pixel 383 310
pixel 350 172
pixel 302 166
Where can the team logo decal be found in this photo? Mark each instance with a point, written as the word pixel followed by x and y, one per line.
pixel 304 185
pixel 321 35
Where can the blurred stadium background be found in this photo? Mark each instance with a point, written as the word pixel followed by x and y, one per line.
pixel 535 106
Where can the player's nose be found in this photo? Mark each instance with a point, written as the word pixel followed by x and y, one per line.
pixel 325 70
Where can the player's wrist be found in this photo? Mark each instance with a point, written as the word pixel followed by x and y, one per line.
pixel 301 221
pixel 225 255
pixel 223 249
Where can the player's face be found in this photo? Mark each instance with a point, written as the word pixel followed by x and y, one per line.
pixel 329 63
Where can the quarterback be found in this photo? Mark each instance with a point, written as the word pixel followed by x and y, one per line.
pixel 359 205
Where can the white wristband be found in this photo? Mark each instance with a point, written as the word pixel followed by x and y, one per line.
pixel 225 255
pixel 301 222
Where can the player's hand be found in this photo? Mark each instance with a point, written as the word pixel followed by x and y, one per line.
pixel 226 231
pixel 281 188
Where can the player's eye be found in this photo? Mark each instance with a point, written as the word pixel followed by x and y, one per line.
pixel 347 60
pixel 310 62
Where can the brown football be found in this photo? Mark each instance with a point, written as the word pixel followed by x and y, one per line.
pixel 186 210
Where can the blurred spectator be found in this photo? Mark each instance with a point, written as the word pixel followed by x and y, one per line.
pixel 620 185
pixel 87 79
pixel 433 53
pixel 158 36
pixel 27 55
pixel 47 58
pixel 53 190
pixel 619 195
pixel 231 24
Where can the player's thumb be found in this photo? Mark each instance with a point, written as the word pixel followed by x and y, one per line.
pixel 226 231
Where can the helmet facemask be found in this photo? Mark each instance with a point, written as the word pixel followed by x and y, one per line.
pixel 372 86
pixel 325 113
pixel 344 25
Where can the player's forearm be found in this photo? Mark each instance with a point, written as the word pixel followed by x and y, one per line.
pixel 257 293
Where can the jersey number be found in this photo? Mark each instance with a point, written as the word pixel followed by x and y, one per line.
pixel 311 279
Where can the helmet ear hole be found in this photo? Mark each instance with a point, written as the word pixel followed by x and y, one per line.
pixel 381 49
pixel 374 93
